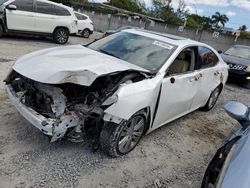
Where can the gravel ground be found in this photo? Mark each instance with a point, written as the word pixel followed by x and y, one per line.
pixel 175 155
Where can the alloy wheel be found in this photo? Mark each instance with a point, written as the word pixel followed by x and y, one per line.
pixel 62 36
pixel 131 134
pixel 213 98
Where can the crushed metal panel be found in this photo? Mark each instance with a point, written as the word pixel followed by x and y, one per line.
pixel 71 64
pixel 134 97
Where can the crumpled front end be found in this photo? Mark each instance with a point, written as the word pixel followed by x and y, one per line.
pixel 67 109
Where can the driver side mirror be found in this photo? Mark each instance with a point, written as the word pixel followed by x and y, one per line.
pixel 238 111
pixel 220 52
pixel 11 7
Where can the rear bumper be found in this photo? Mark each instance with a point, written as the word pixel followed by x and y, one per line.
pixel 56 128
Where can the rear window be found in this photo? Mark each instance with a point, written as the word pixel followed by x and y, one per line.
pixel 44 8
pixel 47 8
pixel 207 58
pixel 80 16
pixel 60 11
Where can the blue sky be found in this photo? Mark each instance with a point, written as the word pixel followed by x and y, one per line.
pixel 238 11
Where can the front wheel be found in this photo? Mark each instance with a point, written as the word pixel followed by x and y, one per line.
pixel 61 35
pixel 212 99
pixel 117 140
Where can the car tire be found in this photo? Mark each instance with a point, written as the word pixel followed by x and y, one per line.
pixel 1 30
pixel 212 99
pixel 85 33
pixel 120 139
pixel 61 35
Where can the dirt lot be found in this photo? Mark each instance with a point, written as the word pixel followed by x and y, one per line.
pixel 175 155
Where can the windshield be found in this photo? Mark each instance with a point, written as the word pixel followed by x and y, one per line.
pixel 239 52
pixel 2 1
pixel 139 50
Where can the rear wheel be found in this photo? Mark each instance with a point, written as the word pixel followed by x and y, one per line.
pixel 212 99
pixel 1 30
pixel 117 140
pixel 86 33
pixel 61 36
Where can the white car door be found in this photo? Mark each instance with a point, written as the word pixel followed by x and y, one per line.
pixel 179 87
pixel 210 75
pixel 22 18
pixel 45 18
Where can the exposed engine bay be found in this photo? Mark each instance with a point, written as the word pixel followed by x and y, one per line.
pixel 76 111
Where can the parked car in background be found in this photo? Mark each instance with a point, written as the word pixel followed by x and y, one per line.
pixel 238 59
pixel 230 167
pixel 85 25
pixel 116 89
pixel 110 32
pixel 38 17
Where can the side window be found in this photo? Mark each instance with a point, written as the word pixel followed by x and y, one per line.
pixel 60 11
pixel 184 62
pixel 45 8
pixel 80 17
pixel 207 58
pixel 24 5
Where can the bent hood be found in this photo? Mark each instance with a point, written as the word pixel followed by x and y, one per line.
pixel 71 64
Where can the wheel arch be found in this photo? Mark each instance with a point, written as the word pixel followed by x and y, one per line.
pixel 64 27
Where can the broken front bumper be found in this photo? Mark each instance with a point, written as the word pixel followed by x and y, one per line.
pixel 56 128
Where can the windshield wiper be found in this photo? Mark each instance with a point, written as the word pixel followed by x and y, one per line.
pixel 108 53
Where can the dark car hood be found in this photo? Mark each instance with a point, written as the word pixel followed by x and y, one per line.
pixel 235 60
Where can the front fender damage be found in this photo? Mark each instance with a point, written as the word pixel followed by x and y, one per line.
pixel 69 110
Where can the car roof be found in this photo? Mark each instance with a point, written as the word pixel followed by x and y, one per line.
pixel 58 4
pixel 172 39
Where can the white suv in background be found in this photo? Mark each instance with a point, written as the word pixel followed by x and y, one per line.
pixel 85 25
pixel 39 17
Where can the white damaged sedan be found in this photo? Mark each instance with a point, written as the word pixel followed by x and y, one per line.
pixel 117 89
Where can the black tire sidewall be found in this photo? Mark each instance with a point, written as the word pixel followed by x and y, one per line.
pixel 207 107
pixel 110 135
pixel 56 33
pixel 87 31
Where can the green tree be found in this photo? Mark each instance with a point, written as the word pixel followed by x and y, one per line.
pixel 219 20
pixel 182 10
pixel 164 10
pixel 243 28
pixel 199 22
